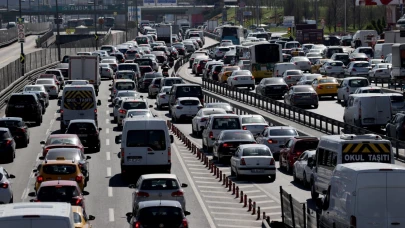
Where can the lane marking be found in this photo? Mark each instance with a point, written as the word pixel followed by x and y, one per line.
pixel 251 191
pixel 25 193
pixel 238 220
pixel 218 197
pixel 107 112
pixel 107 142
pixel 215 192
pixel 108 171
pixel 110 191
pixel 108 156
pixel 206 178
pixel 211 187
pixel 107 121
pixel 196 165
pixel 197 194
pixel 201 173
pixel 227 225
pixel 107 130
pixel 230 203
pixel 238 214
pixel 266 201
pixel 230 208
pixel 111 214
pixel 198 169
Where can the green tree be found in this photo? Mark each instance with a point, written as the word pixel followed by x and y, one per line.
pixel 374 25
pixel 379 26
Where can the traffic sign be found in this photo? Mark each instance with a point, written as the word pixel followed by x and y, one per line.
pixel 22 58
pixel 21 32
pixel 95 37
pixel 115 13
pixel 20 20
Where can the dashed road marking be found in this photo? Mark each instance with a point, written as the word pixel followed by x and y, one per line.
pixel 107 142
pixel 107 112
pixel 108 156
pixel 111 214
pixel 107 121
pixel 110 192
pixel 25 193
pixel 108 171
pixel 107 130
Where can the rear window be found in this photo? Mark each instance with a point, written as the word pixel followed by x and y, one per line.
pixel 72 154
pixel 336 64
pixel 159 184
pixel 53 141
pixel 125 85
pixel 81 128
pixel 4 135
pixel 245 135
pixel 328 80
pixel 342 57
pixel 77 218
pixel 293 72
pixel 142 40
pixel 371 91
pixel 303 90
pixel 361 65
pixel 166 215
pixel 21 99
pixel 256 152
pixel 189 91
pixel 332 51
pixel 358 83
pixel 146 69
pixel 125 76
pixel 44 82
pixel 224 49
pixel 242 72
pixel 155 139
pixel 210 112
pixel 366 51
pixel 173 82
pixel 283 132
pixel 10 123
pixel 134 105
pixel 58 193
pixel 226 123
pixel 396 99
pixel 255 119
pixel 127 94
pixel 189 102
pixel 304 145
pixel 59 169
pixel 127 67
pixel 143 62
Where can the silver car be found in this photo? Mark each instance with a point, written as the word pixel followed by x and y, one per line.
pixel 162 99
pixel 219 52
pixel 333 68
pixel 301 95
pixel 302 63
pixel 274 137
pixel 307 79
pixel 253 123
pixel 124 93
pixel 358 68
pixel 154 87
pixel 292 77
pixel 106 71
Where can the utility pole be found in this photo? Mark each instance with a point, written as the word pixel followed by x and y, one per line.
pixel 95 24
pixel 22 56
pixel 345 15
pixel 136 16
pixel 57 30
pixel 316 12
pixel 126 20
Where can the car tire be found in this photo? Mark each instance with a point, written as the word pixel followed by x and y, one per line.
pixel 280 164
pixel 304 180
pixel 115 119
pixel 294 174
pixel 288 168
pixel 204 147
pixel 11 157
pixel 232 172
pixel 38 121
pixel 315 106
pixel 314 194
pixel 25 143
pixel 272 178
pixel 159 107
pixel 97 148
pixel 238 176
pixel 209 149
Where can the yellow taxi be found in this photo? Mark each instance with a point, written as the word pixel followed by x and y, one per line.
pixel 318 64
pixel 325 86
pixel 80 217
pixel 59 169
pixel 226 71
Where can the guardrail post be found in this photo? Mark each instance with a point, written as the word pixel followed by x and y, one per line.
pixel 206 161
pixel 217 172
pixel 250 206
pixel 254 208
pixel 237 192
pixel 245 200
pixel 233 188
pixel 226 182
pixel 223 179
pixel 230 184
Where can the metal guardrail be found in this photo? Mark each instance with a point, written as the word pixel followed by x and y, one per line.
pixel 10 35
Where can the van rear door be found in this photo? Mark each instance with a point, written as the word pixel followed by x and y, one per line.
pixel 79 104
pixel 395 199
pixel 383 106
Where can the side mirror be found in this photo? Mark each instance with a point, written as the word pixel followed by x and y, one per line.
pixel 344 104
pixel 110 88
pixel 129 214
pixel 171 139
pixel 100 129
pixel 59 102
pixel 109 85
pixel 42 142
pixel 118 139
pixel 32 200
pixel 85 193
pixel 98 103
pixel 41 158
pixel 150 106
pixel 131 186
pixel 34 170
pixel 92 217
pixel 319 203
pixel 11 176
pixel 183 185
pixel 32 194
pixel 88 157
pixel 186 213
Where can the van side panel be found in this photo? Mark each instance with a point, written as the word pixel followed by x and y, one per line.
pixel 375 110
pixel 395 198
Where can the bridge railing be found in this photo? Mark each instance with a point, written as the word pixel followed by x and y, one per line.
pixel 10 35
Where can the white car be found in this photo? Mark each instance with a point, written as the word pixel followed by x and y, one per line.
pixel 302 170
pixel 380 70
pixel 242 78
pixel 274 137
pixel 201 119
pixel 124 93
pixel 253 123
pixel 76 82
pixel 38 88
pixel 349 85
pixel 302 63
pixel 50 85
pixel 185 108
pixel 158 187
pixel 369 89
pixel 332 68
pixel 138 113
pixel 162 99
pixel 292 77
pixel 117 107
pixel 6 190
pixel 253 160
pixel 128 104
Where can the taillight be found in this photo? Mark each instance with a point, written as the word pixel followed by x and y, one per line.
pixel 95 110
pixel 8 143
pixel 295 63
pixel 179 107
pixel 235 78
pixel 184 223
pixel 354 69
pixel 271 141
pixel 61 111
pixel 53 87
pixel 4 185
pixel 115 91
pixel 177 193
pixel 169 154
pixel 242 161
pixel 226 145
pixel 108 70
pixel 142 194
pixel 289 77
pixel 320 87
pixel 215 72
pixel 79 178
pixel 253 78
pixel 78 202
pixel 309 63
pixel 162 96
pixel 122 111
pixel 203 119
pixel 21 129
pixel 244 128
pixel 211 135
pixel 137 224
pixel 272 162
pixel 40 179
pixel 122 153
pixel 353 221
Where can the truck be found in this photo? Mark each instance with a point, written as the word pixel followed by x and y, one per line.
pixel 211 25
pixel 398 61
pixel 85 68
pixel 313 36
pixel 164 33
pixel 175 29
pixel 394 36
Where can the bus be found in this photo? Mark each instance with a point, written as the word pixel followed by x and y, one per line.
pixel 88 22
pixel 263 56
pixel 73 23
pixel 234 33
pixel 109 22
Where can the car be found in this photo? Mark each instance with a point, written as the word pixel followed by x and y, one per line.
pixel 325 86
pixel 302 170
pixel 59 76
pixel 201 119
pixel 253 160
pixel 106 71
pixel 226 71
pixel 125 74
pixel 301 95
pixel 291 77
pixel 128 104
pixel 160 56
pixel 369 51
pixel 154 87
pixel 275 136
pixel 200 66
pixel 6 189
pixel 220 51
pixel 165 213
pixel 302 63
pixel 241 78
pixel 226 106
pixel 369 89
pixel 50 85
pixel 357 68
pixel 87 131
pixel 243 64
pixel 395 128
pixel 397 103
pixel 272 87
pixel 349 85
pixel 213 74
pixel 122 84
pixel 162 99
pixel 196 54
pixel 7 146
pixel 185 108
pixel 333 68
pixel 181 49
pixel 170 81
pixel 208 67
pixel 158 187
pixel 61 141
pixel 44 98
pixel 374 62
pixel 358 57
pixel 67 191
pixel 59 170
pixel 145 81
pixel 18 129
pixel 195 63
pixel 307 79
pixel 253 123
pixel 138 113
pixel 50 76
pixel 227 143
pixel 344 57
pixel 380 70
pixel 315 67
pixel 124 94
pixel 80 217
pixel 24 105
pixel 293 148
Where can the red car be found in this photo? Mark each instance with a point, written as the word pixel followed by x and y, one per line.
pixel 61 141
pixel 293 148
pixel 61 191
pixel 201 65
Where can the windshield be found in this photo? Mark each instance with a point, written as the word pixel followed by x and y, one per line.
pixel 245 135
pixel 134 105
pixel 254 119
pixel 155 139
pixel 396 99
pixel 283 132
pixel 256 152
pixel 45 82
pixel 329 80
pixel 226 123
pixel 303 89
pixel 358 83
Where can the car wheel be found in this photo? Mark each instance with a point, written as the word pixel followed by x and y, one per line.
pixel 288 168
pixel 97 148
pixel 159 107
pixel 204 147
pixel 238 176
pixel 315 106
pixel 232 172
pixel 25 143
pixel 38 121
pixel 115 119
pixel 209 149
pixel 304 180
pixel 314 194
pixel 272 178
pixel 295 179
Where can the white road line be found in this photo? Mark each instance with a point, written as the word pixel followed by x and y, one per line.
pixel 107 130
pixel 197 194
pixel 198 169
pixel 251 191
pixel 111 214
pixel 254 197
pixel 107 142
pixel 192 161
pixel 210 187
pixel 201 173
pixel 108 171
pixel 269 208
pixel 266 201
pixel 205 178
pixel 227 225
pixel 39 155
pixel 229 208
pixel 108 156
pixel 237 220
pixel 216 197
pixel 107 112
pixel 25 193
pixel 107 121
pixel 230 203
pixel 226 213
pixel 268 194
pixel 110 192
pixel 197 165
pixel 32 175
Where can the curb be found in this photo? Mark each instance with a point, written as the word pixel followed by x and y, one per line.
pixel 232 187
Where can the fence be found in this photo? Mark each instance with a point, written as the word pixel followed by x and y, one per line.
pixel 10 35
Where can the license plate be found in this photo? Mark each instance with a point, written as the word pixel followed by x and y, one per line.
pixel 82 135
pixel 305 96
pixel 257 170
pixel 19 106
pixel 134 160
pixel 244 78
pixel 277 87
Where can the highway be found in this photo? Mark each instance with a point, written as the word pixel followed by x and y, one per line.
pixel 12 52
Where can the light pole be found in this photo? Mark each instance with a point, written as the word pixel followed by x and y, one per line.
pixel 95 22
pixel 57 30
pixel 22 44
pixel 126 20
pixel 345 15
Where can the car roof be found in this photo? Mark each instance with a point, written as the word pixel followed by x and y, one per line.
pixel 11 118
pixel 157 203
pixel 281 127
pixel 58 182
pixel 63 136
pixel 83 121
pixel 250 116
pixel 188 98
pixel 67 149
pixel 159 175
pixel 243 146
pixel 224 115
pixel 4 129
pixel 368 166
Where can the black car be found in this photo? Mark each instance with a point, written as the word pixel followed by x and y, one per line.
pixel 7 145
pixel 87 132
pixel 272 87
pixel 41 99
pixel 145 81
pixel 120 57
pixel 344 57
pixel 180 48
pixel 215 71
pixel 173 52
pixel 228 141
pixel 25 105
pixel 18 129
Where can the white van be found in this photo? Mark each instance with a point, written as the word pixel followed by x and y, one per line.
pixel 367 109
pixel 382 50
pixel 145 146
pixel 366 37
pixel 77 102
pixel 36 215
pixel 347 148
pixel 364 195
pixel 280 68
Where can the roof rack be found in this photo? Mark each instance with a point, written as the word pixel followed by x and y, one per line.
pixel 366 136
